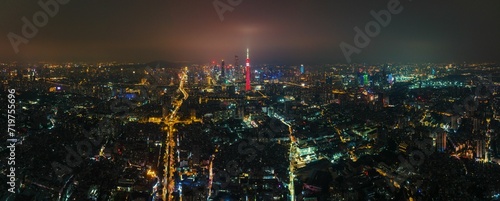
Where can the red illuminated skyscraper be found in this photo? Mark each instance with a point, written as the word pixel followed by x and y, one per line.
pixel 247 73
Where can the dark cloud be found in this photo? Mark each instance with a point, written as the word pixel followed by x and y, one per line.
pixel 276 31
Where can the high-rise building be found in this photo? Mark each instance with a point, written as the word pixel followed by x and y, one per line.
pixel 302 70
pixel 241 110
pixel 237 70
pixel 236 61
pixel 476 123
pixel 231 90
pixel 366 81
pixel 454 122
pixel 441 141
pixel 480 149
pixel 222 70
pixel 247 73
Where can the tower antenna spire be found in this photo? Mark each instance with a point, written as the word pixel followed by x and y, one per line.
pixel 247 73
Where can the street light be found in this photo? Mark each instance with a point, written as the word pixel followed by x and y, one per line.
pixel 151 173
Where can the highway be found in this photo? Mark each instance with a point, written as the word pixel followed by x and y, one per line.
pixel 291 186
pixel 210 176
pixel 293 84
pixel 169 180
pixel 291 157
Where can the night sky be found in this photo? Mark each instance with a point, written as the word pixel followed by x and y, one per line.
pixel 288 32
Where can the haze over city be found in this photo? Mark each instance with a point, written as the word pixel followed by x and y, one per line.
pixel 277 31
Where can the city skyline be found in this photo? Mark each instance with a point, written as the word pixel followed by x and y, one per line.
pixel 250 100
pixel 292 32
pixel 352 132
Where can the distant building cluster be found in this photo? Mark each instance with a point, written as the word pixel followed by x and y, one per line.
pixel 227 131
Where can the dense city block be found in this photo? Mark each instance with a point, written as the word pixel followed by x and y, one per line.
pixel 215 131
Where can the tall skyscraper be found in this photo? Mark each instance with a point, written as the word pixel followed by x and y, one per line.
pixel 247 73
pixel 476 123
pixel 236 61
pixel 454 122
pixel 480 149
pixel 238 72
pixel 222 69
pixel 441 141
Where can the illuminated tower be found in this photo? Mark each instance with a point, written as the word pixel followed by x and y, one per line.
pixel 247 75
